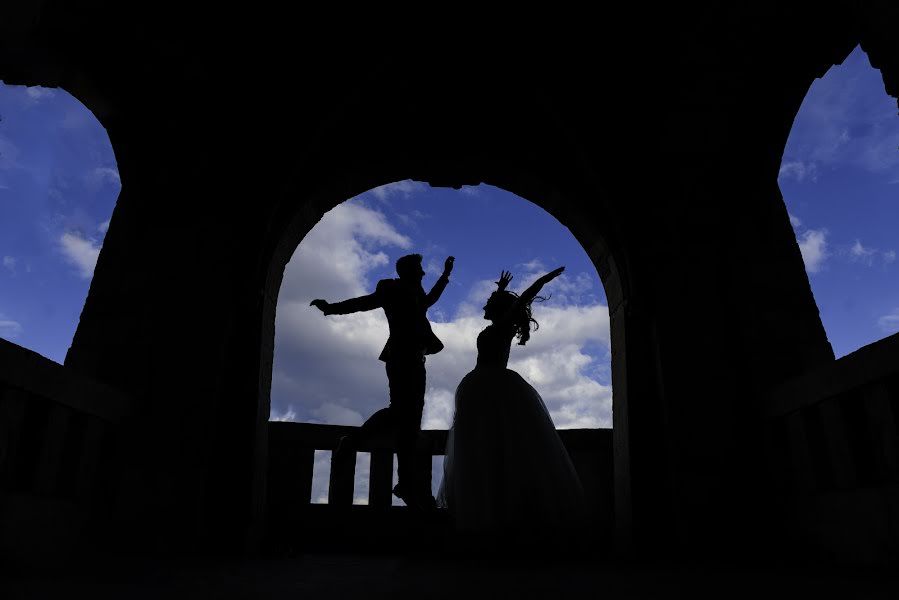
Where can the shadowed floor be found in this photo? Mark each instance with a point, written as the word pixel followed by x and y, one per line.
pixel 348 576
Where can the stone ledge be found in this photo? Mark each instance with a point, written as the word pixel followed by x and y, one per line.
pixel 26 370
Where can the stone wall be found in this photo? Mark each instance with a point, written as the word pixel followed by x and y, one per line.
pixel 59 473
pixel 654 136
pixel 832 440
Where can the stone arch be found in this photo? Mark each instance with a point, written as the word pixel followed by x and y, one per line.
pixel 577 216
pixel 747 86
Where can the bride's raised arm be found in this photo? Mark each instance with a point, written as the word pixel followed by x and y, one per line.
pixel 527 295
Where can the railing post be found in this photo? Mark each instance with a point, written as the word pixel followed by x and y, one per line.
pixel 343 475
pixel 380 481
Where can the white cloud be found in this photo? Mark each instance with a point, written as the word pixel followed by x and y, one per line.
pixel 798 170
pixel 317 357
pixel 881 152
pixel 76 117
pixel 103 227
pixel 434 265
pixel 335 257
pixel 326 368
pixel 813 246
pixel 321 469
pixel 329 412
pixel 890 323
pixel 9 262
pixel 846 119
pixel 554 361
pixel 289 414
pixel 38 93
pixel 399 187
pixel 97 177
pixel 567 288
pixel 859 253
pixel 8 328
pixel 81 252
pixel 794 221
pixel 9 155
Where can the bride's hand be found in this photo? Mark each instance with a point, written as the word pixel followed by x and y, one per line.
pixel 504 278
pixel 552 274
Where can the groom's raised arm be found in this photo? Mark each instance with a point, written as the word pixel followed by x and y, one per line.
pixel 440 285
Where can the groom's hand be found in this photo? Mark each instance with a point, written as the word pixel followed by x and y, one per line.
pixel 321 305
pixel 448 265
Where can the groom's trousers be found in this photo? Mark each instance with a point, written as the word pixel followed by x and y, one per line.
pixel 406 377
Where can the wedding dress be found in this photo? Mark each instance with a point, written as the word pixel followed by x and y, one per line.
pixel 506 468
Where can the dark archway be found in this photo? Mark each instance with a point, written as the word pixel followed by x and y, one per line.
pixel 838 178
pixel 583 226
pixel 703 234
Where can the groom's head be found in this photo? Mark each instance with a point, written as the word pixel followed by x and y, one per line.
pixel 409 267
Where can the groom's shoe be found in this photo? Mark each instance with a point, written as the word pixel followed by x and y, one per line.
pixel 421 502
pixel 402 493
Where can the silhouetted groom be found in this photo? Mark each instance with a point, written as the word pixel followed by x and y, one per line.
pixel 405 304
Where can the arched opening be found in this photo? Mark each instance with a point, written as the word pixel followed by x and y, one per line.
pixel 598 257
pixel 59 183
pixel 326 370
pixel 838 177
pixel 830 427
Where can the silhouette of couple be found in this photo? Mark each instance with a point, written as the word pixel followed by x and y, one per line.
pixel 505 466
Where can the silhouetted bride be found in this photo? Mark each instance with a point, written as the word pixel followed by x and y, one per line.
pixel 506 470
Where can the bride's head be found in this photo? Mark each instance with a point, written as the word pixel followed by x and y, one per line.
pixel 501 302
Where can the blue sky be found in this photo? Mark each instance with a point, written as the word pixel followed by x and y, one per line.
pixel 59 184
pixel 326 368
pixel 840 181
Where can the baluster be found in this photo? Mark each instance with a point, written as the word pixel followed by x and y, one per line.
pixel 380 481
pixel 423 468
pixel 343 476
pixel 304 459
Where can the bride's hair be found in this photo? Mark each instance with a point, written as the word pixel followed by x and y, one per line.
pixel 521 321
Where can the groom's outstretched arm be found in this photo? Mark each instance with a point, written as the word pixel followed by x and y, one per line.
pixel 437 290
pixel 369 302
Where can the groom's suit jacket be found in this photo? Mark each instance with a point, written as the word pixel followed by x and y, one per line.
pixel 406 306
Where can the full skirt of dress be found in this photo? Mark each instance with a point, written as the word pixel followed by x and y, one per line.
pixel 506 468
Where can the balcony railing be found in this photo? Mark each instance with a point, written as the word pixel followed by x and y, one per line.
pixel 293 517
pixel 57 442
pixel 832 442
